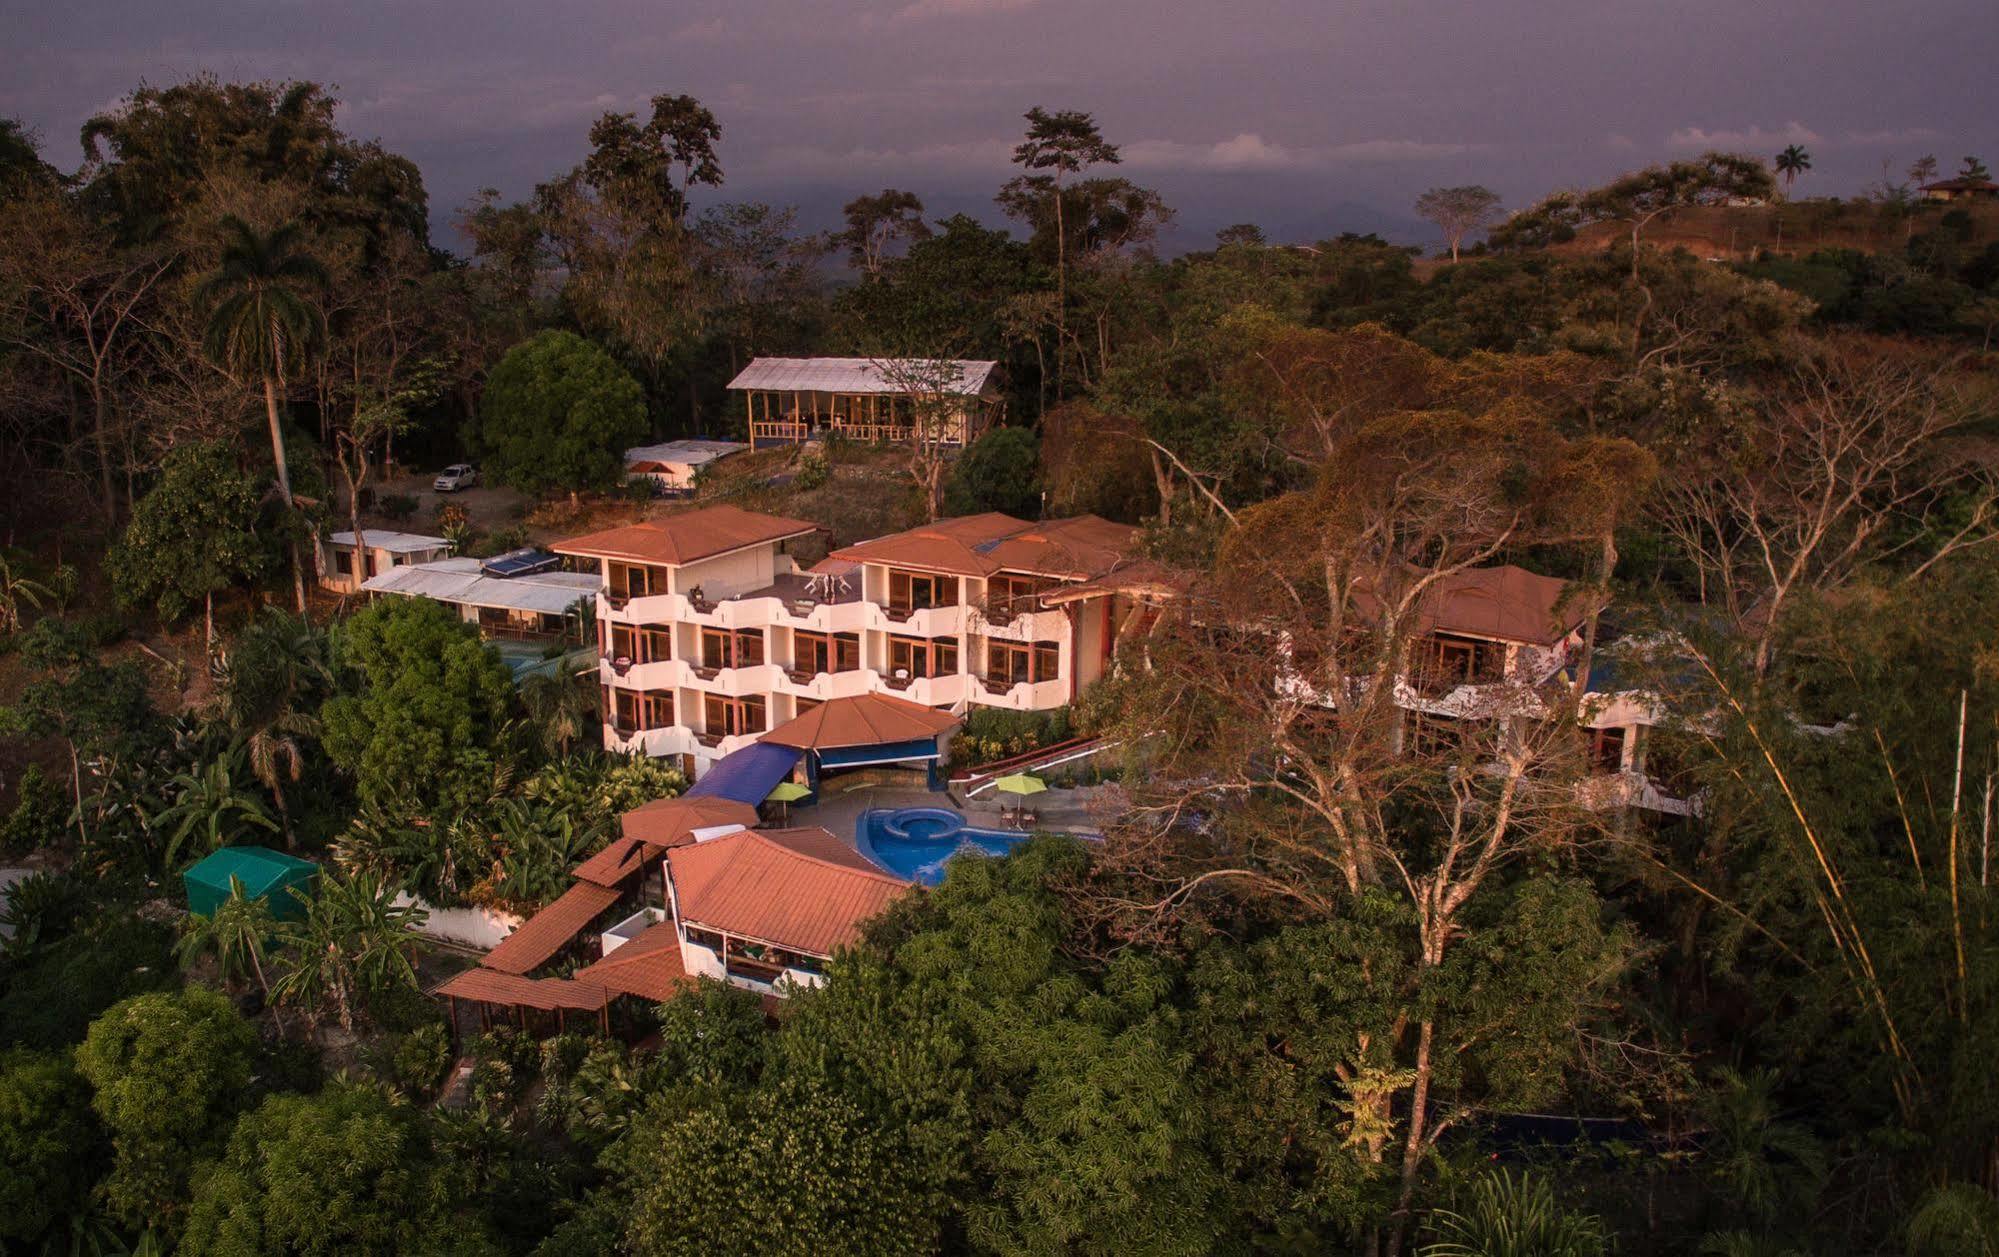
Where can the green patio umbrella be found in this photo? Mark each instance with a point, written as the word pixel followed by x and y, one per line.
pixel 1020 783
pixel 787 793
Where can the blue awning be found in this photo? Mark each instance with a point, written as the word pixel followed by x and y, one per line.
pixel 880 753
pixel 747 775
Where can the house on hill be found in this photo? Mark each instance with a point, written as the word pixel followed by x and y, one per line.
pixel 875 400
pixel 384 551
pixel 1961 189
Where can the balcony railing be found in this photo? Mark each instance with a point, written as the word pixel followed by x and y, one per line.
pixel 1435 680
pixel 710 740
pixel 999 685
pixel 754 970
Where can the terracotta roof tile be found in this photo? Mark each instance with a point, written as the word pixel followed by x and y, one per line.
pixel 687 537
pixel 490 987
pixel 647 967
pixel 1504 602
pixel 861 720
pixel 1080 548
pixel 779 890
pixel 671 822
pixel 622 858
pixel 550 930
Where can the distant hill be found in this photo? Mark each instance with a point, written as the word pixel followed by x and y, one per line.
pixel 1795 228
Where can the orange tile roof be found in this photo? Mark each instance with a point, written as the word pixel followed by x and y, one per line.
pixel 619 860
pixel 779 888
pixel 1141 578
pixel 647 967
pixel 687 537
pixel 491 987
pixel 1506 602
pixel 861 720
pixel 550 930
pixel 671 822
pixel 1080 548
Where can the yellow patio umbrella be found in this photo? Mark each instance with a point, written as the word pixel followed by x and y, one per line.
pixel 787 793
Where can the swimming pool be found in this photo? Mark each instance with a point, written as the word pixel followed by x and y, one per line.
pixel 916 842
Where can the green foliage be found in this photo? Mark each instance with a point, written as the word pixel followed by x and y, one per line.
pixel 816 1175
pixel 397 507
pixel 210 808
pixel 71 960
pixel 41 812
pixel 345 1171
pixel 996 733
pixel 98 708
pixel 50 1144
pixel 419 1059
pixel 194 535
pixel 558 413
pixel 998 473
pixel 353 952
pixel 1960 1219
pixel 431 702
pixel 1514 1217
pixel 168 1071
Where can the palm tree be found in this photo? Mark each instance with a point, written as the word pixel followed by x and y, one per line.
pixel 271 682
pixel 561 708
pixel 236 932
pixel 1515 1217
pixel 353 943
pixel 1791 163
pixel 1766 1163
pixel 261 323
pixel 1961 1218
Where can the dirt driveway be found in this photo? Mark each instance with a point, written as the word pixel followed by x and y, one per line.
pixel 488 507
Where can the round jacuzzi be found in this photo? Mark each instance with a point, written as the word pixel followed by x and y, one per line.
pixel 921 824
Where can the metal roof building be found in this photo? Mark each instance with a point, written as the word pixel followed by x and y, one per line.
pixel 953 376
pixel 463 582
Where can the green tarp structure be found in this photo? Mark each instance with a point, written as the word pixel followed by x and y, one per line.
pixel 283 880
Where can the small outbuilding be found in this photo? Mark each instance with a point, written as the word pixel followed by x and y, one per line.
pixel 283 881
pixel 672 466
pixel 385 551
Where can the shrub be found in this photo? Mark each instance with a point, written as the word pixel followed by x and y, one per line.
pixel 397 507
pixel 40 815
pixel 996 733
pixel 420 1059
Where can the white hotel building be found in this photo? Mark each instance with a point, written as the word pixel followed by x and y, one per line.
pixel 713 632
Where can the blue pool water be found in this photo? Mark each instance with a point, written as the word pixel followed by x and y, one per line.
pixel 916 842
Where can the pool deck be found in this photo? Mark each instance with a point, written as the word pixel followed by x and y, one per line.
pixel 1060 811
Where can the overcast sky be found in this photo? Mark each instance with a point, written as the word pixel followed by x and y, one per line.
pixel 1307 116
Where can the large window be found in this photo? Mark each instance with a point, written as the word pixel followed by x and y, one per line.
pixel 814 653
pixel 634 580
pixel 922 656
pixel 914 591
pixel 1442 661
pixel 727 717
pixel 640 645
pixel 1013 595
pixel 726 648
pixel 1012 663
pixel 634 711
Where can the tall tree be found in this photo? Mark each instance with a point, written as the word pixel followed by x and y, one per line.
pixel 1063 143
pixel 558 413
pixel 876 223
pixel 261 323
pixel 635 163
pixel 1791 163
pixel 1923 170
pixel 194 535
pixel 1973 168
pixel 77 302
pixel 1459 211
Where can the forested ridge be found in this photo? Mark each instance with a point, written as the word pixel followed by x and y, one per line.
pixel 1331 982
